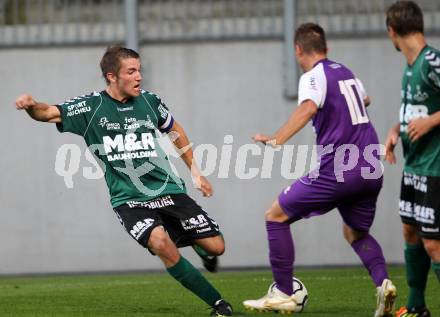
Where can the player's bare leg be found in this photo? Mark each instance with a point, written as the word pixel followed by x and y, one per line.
pixel 161 244
pixel 281 254
pixel 212 245
pixel 433 248
pixel 184 272
pixel 209 249
pixel 370 253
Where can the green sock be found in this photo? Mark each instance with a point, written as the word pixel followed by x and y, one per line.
pixel 417 263
pixel 436 268
pixel 193 280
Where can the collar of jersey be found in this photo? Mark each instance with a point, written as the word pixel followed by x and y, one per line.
pixel 320 61
pixel 105 93
pixel 422 51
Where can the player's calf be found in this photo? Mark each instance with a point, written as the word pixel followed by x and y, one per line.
pixel 209 249
pixel 160 243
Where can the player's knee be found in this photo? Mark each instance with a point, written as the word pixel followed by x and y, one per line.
pixel 352 235
pixel 268 215
pixel 410 234
pixel 275 213
pixel 159 241
pixel 217 246
pixel 432 247
pixel 219 249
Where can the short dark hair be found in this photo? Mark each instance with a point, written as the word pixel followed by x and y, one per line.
pixel 111 61
pixel 405 17
pixel 311 38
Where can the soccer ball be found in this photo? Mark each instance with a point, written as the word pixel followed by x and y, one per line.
pixel 300 294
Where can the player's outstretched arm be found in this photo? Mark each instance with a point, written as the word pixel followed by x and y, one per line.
pixel 421 126
pixel 390 144
pixel 37 110
pixel 299 118
pixel 181 142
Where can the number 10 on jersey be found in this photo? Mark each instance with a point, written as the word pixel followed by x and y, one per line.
pixel 355 104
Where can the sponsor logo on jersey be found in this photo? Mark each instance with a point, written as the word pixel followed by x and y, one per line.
pixel 103 122
pixel 411 112
pixel 133 124
pixel 335 66
pixel 163 111
pixel 199 222
pixel 419 95
pixel 312 82
pixel 140 227
pixel 124 109
pixel 78 108
pixel 129 147
pixel 152 204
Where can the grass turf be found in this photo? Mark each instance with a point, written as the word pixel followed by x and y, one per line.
pixel 333 292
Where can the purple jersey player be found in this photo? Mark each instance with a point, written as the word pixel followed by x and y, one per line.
pixel 334 99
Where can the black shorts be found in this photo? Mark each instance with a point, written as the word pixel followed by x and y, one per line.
pixel 420 204
pixel 181 217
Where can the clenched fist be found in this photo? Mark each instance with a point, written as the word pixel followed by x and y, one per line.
pixel 24 102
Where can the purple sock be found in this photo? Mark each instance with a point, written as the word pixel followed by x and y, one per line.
pixel 370 253
pixel 281 254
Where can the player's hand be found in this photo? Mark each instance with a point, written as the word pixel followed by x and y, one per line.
pixel 419 127
pixel 24 102
pixel 265 139
pixel 202 184
pixel 390 144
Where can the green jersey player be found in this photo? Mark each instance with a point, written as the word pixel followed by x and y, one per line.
pixel 419 129
pixel 121 125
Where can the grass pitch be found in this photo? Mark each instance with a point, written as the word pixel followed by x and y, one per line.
pixel 346 292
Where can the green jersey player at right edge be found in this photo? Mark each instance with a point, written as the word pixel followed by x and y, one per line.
pixel 419 129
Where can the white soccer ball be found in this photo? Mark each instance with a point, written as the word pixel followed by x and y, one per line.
pixel 300 294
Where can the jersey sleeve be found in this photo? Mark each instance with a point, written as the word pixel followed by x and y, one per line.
pixel 432 68
pixel 164 117
pixel 74 114
pixel 313 86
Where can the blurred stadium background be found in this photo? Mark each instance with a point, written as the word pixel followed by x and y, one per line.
pixel 224 67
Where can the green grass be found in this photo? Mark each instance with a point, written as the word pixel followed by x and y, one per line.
pixel 333 292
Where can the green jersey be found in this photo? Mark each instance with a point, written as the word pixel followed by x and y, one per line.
pixel 124 137
pixel 421 98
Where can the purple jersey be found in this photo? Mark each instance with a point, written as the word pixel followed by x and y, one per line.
pixel 341 119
